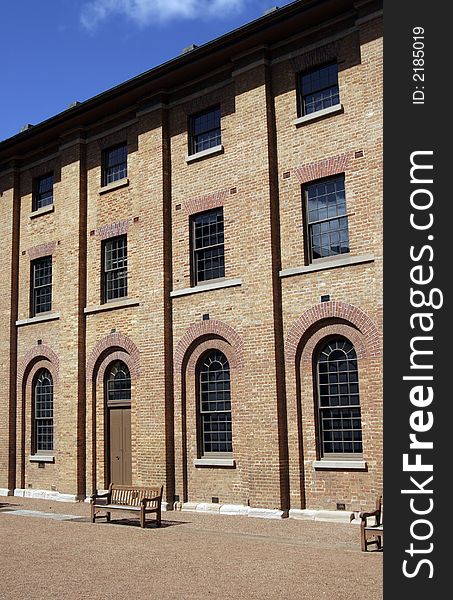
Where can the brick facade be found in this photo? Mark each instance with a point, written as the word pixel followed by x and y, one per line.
pixel 266 315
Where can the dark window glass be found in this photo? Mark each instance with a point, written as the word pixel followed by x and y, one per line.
pixel 43 411
pixel 340 420
pixel 215 404
pixel 43 192
pixel 205 130
pixel 115 164
pixel 208 246
pixel 41 293
pixel 319 89
pixel 327 218
pixel 118 382
pixel 115 268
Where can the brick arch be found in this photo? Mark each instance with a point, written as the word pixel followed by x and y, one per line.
pixel 211 344
pixel 312 341
pixel 35 354
pixel 333 310
pixel 110 345
pixel 211 328
pixel 111 357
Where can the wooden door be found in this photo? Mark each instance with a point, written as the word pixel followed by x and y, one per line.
pixel 120 446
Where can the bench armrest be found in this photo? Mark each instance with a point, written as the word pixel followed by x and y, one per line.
pixel 375 513
pixel 93 497
pixel 154 499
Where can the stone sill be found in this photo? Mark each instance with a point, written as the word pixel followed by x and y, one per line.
pixel 114 185
pixel 340 465
pixel 46 495
pixel 112 305
pixel 333 263
pixel 44 458
pixel 39 319
pixel 331 110
pixel 42 211
pixel 326 516
pixel 218 285
pixel 214 462
pixel 209 152
pixel 232 509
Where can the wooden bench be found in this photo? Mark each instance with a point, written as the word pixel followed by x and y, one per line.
pixel 372 534
pixel 143 500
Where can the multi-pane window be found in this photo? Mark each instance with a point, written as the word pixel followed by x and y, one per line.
pixel 215 404
pixel 205 130
pixel 115 164
pixel 43 191
pixel 41 285
pixel 208 246
pixel 115 268
pixel 118 383
pixel 326 217
pixel 43 412
pixel 318 89
pixel 340 423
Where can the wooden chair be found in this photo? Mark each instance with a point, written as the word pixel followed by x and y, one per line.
pixel 369 533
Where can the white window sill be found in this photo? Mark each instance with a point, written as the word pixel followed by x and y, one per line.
pixel 112 305
pixel 214 462
pixel 218 285
pixel 114 185
pixel 332 263
pixel 209 152
pixel 331 110
pixel 46 458
pixel 42 211
pixel 38 319
pixel 340 465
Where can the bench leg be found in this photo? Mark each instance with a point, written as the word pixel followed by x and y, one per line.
pixel 363 539
pixel 158 518
pixel 93 514
pixel 108 514
pixel 142 518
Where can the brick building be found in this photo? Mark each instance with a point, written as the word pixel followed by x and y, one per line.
pixel 192 284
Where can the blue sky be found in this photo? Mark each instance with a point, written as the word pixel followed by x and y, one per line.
pixel 55 52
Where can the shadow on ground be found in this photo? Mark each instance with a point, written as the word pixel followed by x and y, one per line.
pixel 136 523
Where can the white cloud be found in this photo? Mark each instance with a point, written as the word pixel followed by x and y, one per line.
pixel 145 12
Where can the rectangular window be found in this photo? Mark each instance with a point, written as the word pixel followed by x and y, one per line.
pixel 114 164
pixel 115 268
pixel 318 89
pixel 326 218
pixel 204 130
pixel 43 191
pixel 41 283
pixel 208 260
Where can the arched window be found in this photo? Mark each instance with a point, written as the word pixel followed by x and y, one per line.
pixel 340 425
pixel 43 411
pixel 118 383
pixel 215 404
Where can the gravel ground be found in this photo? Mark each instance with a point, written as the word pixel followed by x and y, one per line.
pixel 192 556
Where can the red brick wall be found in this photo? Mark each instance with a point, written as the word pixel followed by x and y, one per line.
pixel 257 179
